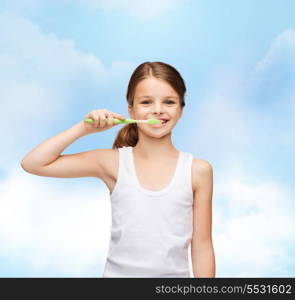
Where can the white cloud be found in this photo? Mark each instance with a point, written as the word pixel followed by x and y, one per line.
pixel 245 112
pixel 42 78
pixel 141 10
pixel 253 224
pixel 281 51
pixel 24 7
pixel 273 80
pixel 49 227
pixel 29 54
pixel 37 73
pixel 253 218
pixel 54 229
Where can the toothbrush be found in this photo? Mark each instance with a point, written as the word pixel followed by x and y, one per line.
pixel 129 121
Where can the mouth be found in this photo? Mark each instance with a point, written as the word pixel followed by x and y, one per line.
pixel 163 122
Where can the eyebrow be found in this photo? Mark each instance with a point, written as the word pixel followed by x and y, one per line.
pixel 152 97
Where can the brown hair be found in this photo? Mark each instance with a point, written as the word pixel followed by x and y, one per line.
pixel 128 135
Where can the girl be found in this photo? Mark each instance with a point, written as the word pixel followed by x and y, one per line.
pixel 161 197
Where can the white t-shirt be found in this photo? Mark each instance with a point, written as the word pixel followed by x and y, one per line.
pixel 151 230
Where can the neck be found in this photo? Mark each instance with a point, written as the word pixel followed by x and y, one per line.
pixel 155 149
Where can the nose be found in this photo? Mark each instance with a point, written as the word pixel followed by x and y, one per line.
pixel 157 108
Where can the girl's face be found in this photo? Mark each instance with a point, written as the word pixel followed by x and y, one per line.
pixel 155 98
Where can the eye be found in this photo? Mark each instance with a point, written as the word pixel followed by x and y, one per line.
pixel 167 101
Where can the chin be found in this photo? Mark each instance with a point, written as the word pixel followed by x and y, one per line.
pixel 157 134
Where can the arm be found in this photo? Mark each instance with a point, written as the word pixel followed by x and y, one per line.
pixel 48 151
pixel 46 159
pixel 203 258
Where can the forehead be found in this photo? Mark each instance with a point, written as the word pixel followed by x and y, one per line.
pixel 153 87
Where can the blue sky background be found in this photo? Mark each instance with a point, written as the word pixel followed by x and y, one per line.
pixel 61 59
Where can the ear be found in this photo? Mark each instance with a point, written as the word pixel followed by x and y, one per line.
pixel 130 111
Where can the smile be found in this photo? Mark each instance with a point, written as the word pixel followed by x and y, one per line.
pixel 162 124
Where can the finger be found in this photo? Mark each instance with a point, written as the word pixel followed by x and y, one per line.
pixel 94 116
pixel 118 116
pixel 110 119
pixel 102 119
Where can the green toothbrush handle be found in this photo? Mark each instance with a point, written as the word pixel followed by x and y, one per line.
pixel 116 121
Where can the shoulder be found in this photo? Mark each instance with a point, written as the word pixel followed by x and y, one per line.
pixel 202 172
pixel 104 157
pixel 108 155
pixel 201 166
pixel 110 161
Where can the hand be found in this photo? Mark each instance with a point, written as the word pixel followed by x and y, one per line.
pixel 103 120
